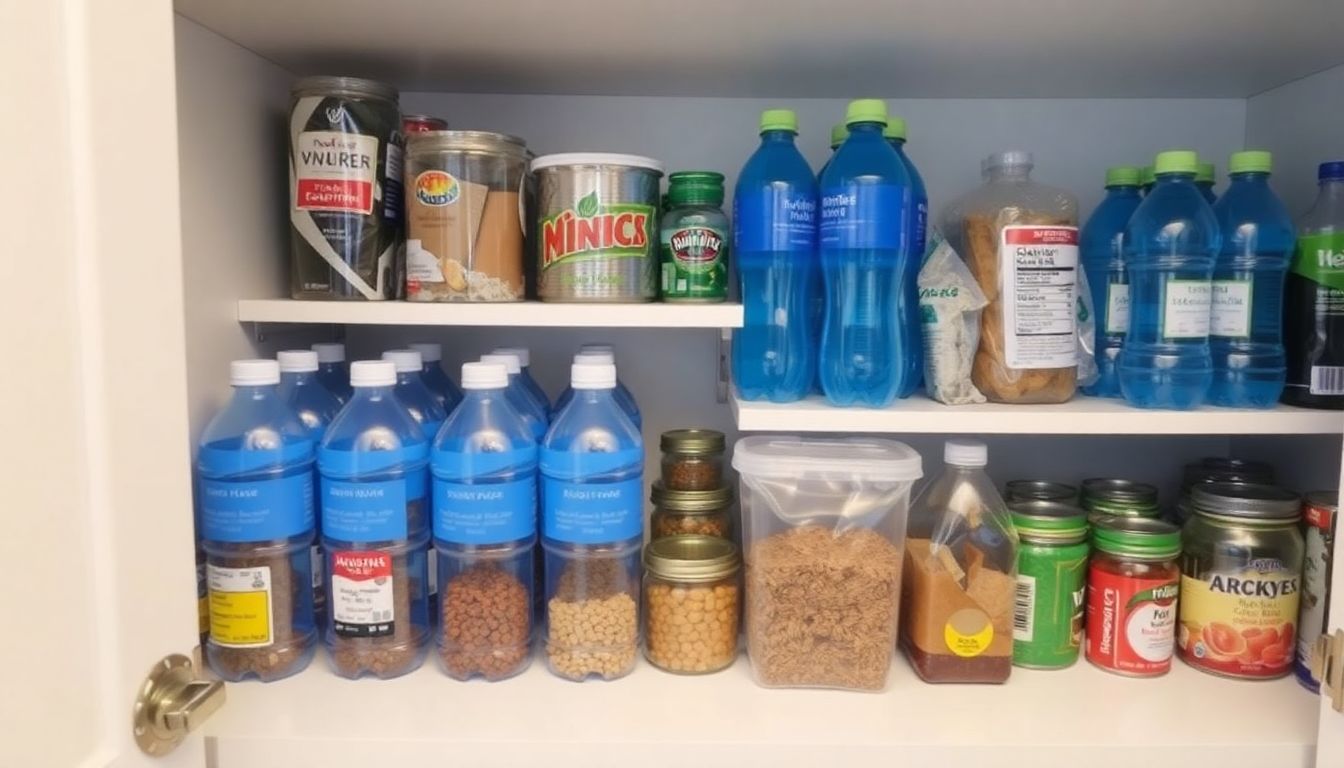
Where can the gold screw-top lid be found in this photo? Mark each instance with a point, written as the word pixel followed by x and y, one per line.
pixel 690 502
pixel 692 558
pixel 697 441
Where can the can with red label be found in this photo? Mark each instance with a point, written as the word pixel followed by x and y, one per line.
pixel 1132 585
pixel 1320 511
pixel 422 124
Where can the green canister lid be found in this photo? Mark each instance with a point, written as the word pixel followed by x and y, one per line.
pixel 691 558
pixel 1049 522
pixel 866 111
pixel 1250 161
pixel 1137 537
pixel 1176 161
pixel 1111 495
pixel 1123 176
pixel 779 120
pixel 695 188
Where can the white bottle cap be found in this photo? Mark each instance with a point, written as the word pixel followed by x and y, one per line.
pixel 297 360
pixel 429 351
pixel 524 355
pixel 600 358
pixel 254 373
pixel 607 348
pixel 372 373
pixel 587 375
pixel 405 360
pixel 510 361
pixel 330 353
pixel 484 376
pixel 966 453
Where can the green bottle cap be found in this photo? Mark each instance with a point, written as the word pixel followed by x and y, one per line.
pixel 1146 177
pixel 779 120
pixel 895 128
pixel 695 188
pixel 1123 176
pixel 1206 173
pixel 1250 161
pixel 866 111
pixel 839 132
pixel 1176 161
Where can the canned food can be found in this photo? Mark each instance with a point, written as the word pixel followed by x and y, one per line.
pixel 345 194
pixel 1051 583
pixel 1039 490
pixel 422 124
pixel 597 227
pixel 1320 513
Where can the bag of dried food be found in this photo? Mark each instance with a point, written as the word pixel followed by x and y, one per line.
pixel 950 303
pixel 960 575
pixel 823 524
pixel 1020 240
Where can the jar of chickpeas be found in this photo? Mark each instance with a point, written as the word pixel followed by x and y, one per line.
pixel 703 513
pixel 692 603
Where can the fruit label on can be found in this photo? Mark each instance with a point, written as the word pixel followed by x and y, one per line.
pixel 362 593
pixel 1131 622
pixel 695 264
pixel 1240 623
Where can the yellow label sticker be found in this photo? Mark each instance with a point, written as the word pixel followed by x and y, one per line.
pixel 968 632
pixel 240 606
pixel 1241 623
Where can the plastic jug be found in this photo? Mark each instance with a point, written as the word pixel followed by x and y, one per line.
pixel 1103 258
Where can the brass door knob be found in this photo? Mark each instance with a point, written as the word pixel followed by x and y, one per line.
pixel 171 703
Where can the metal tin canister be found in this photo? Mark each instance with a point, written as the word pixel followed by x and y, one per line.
pixel 1104 496
pixel 1320 511
pixel 1051 583
pixel 1039 490
pixel 345 193
pixel 597 227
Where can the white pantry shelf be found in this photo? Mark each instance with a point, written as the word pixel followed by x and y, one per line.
pixel 1078 716
pixel 1080 416
pixel 527 313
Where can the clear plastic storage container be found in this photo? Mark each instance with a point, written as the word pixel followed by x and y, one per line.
pixel 592 614
pixel 823 533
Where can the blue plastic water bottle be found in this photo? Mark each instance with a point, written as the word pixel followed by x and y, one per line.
pixel 1103 258
pixel 865 198
pixel 774 237
pixel 895 134
pixel 1170 245
pixel 413 393
pixel 375 529
pixel 1246 326
pixel 255 468
pixel 1205 176
pixel 439 382
pixel 518 395
pixel 525 375
pixel 603 354
pixel 332 371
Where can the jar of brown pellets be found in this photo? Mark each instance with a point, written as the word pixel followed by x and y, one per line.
pixel 692 459
pixel 485 605
pixel 704 513
pixel 692 603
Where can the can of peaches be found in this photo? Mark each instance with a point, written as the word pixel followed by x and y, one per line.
pixel 1241 575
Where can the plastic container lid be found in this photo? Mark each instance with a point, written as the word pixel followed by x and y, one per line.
pixel 523 354
pixel 1250 161
pixel 1012 158
pixel 330 353
pixel 839 132
pixel 597 158
pixel 484 376
pixel 1176 161
pixel 1331 171
pixel 330 85
pixel 965 453
pixel 1049 521
pixel 866 111
pixel 895 128
pixel 467 142
pixel 779 120
pixel 1123 176
pixel 1206 173
pixel 254 373
pixel 509 360
pixel 297 360
pixel 1141 537
pixel 588 375
pixel 430 352
pixel 692 441
pixel 372 373
pixel 1246 501
pixel 864 458
pixel 608 348
pixel 692 558
pixel 405 360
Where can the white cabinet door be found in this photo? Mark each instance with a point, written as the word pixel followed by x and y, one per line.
pixel 97 550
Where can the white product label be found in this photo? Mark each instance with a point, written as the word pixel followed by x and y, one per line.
pixel 1038 268
pixel 1117 309
pixel 1185 309
pixel 335 171
pixel 1327 380
pixel 241 606
pixel 1151 631
pixel 361 593
pixel 1024 609
pixel 421 265
pixel 1231 312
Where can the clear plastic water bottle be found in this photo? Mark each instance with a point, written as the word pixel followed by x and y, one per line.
pixel 1313 323
pixel 895 134
pixel 484 467
pixel 1246 324
pixel 518 395
pixel 534 389
pixel 1170 245
pixel 603 354
pixel 1205 177
pixel 443 387
pixel 774 237
pixel 866 194
pixel 375 529
pixel 412 391
pixel 1103 259
pixel 332 371
pixel 255 469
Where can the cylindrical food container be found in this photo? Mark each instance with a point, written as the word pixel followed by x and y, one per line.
pixel 597 227
pixel 1051 583
pixel 485 606
pixel 1133 582
pixel 677 513
pixel 345 193
pixel 1039 490
pixel 464 216
pixel 1104 496
pixel 412 123
pixel 1320 513
pixel 592 609
pixel 692 459
pixel 378 608
pixel 692 602
pixel 1217 469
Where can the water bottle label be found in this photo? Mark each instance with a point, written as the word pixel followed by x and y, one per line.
pixel 593 513
pixel 1038 268
pixel 485 513
pixel 363 588
pixel 1117 309
pixel 261 510
pixel 864 216
pixel 775 219
pixel 1185 309
pixel 1230 316
pixel 366 511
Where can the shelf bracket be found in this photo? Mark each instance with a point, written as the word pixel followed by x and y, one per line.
pixel 263 332
pixel 725 349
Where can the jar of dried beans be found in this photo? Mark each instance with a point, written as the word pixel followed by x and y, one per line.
pixel 692 459
pixel 690 512
pixel 692 601
pixel 592 609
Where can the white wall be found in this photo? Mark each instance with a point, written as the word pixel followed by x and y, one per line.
pixel 1302 123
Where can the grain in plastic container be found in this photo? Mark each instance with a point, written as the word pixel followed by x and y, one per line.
pixel 823 535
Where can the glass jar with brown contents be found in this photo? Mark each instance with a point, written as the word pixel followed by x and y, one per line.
pixel 692 459
pixel 690 512
pixel 692 603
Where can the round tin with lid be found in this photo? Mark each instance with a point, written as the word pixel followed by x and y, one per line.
pixel 692 603
pixel 1048 522
pixel 697 442
pixel 1218 469
pixel 1133 583
pixel 692 459
pixel 1248 503
pixel 1114 496
pixel 677 512
pixel 1051 580
pixel 1137 538
pixel 1043 490
pixel 335 85
pixel 485 142
pixel 692 559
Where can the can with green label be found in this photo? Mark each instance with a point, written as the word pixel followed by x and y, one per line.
pixel 695 239
pixel 1051 583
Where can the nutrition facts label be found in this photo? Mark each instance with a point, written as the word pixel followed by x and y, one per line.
pixel 1038 267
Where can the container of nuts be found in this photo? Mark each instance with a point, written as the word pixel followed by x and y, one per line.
pixel 692 459
pixel 692 603
pixel 690 512
pixel 592 610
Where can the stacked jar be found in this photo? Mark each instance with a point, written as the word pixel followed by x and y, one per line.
pixel 1107 496
pixel 692 603
pixel 691 497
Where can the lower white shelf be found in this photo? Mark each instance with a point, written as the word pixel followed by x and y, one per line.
pixel 651 719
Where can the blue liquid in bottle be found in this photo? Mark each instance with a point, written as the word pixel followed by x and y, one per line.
pixel 525 375
pixel 332 370
pixel 865 195
pixel 774 237
pixel 1205 177
pixel 1246 334
pixel 918 225
pixel 518 396
pixel 1170 246
pixel 413 393
pixel 443 387
pixel 1104 260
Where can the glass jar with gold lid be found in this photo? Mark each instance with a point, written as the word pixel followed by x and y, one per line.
pixel 692 603
pixel 690 512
